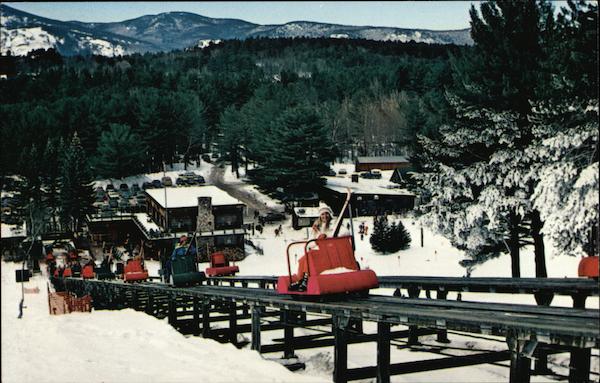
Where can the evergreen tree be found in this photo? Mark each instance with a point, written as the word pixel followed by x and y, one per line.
pixel 379 236
pixel 400 237
pixel 120 153
pixel 478 174
pixel 51 177
pixel 76 193
pixel 233 138
pixel 565 148
pixel 389 238
pixel 300 150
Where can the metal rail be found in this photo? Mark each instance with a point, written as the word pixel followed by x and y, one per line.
pixel 562 326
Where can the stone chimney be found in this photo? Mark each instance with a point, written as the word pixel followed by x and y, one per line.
pixel 205 222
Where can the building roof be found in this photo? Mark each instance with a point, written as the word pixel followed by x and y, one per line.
pixel 310 212
pixel 12 231
pixel 178 197
pixel 381 159
pixel 381 186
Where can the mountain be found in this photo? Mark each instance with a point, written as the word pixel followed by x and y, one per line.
pixel 22 32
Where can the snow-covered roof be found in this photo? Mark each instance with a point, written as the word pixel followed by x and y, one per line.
pixel 380 186
pixel 178 197
pixel 12 231
pixel 376 160
pixel 310 212
pixel 147 222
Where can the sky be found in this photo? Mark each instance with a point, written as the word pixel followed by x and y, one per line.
pixel 435 15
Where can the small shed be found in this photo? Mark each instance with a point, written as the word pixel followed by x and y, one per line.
pixel 304 217
pixel 363 164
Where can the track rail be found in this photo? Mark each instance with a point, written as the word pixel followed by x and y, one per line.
pixel 561 326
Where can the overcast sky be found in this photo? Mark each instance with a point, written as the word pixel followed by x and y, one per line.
pixel 436 15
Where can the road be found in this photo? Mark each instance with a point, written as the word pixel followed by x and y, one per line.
pixel 236 190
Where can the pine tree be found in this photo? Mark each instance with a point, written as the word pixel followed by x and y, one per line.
pixel 76 193
pixel 400 237
pixel 565 148
pixel 478 174
pixel 120 153
pixel 299 152
pixel 380 232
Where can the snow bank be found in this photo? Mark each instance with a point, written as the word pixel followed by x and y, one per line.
pixel 114 346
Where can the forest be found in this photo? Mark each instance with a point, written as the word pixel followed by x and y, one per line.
pixel 503 135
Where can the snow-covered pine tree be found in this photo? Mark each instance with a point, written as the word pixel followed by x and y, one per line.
pixel 76 193
pixel 565 145
pixel 477 175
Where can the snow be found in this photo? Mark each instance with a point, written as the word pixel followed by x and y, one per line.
pixel 147 222
pixel 101 47
pixel 12 231
pixel 21 41
pixel 114 346
pixel 178 197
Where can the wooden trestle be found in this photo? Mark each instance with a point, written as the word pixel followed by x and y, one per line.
pixel 526 328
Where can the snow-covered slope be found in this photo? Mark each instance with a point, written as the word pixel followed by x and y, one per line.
pixel 22 33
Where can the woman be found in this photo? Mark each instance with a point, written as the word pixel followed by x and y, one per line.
pixel 323 227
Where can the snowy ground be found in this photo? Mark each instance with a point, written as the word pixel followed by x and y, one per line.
pixel 129 346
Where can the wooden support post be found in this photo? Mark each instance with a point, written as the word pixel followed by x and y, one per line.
pixel 520 364
pixel 383 352
pixel 172 310
pixel 135 299
pixel 206 318
pixel 245 306
pixel 540 366
pixel 233 323
pixel 579 365
pixel 150 305
pixel 579 300
pixel 413 337
pixel 340 358
pixel 256 311
pixel 288 334
pixel 442 335
pixel 196 314
pixel 579 362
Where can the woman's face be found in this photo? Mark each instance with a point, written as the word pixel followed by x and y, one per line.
pixel 325 216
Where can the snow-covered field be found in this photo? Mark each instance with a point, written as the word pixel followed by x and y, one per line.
pixel 129 346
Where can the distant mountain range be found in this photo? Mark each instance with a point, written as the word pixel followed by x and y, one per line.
pixel 22 32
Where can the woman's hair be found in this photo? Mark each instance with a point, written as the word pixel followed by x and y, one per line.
pixel 327 223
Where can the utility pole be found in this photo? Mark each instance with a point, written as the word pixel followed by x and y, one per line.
pixel 166 205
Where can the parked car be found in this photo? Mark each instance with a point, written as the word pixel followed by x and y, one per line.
pixel 156 184
pixel 272 217
pixel 123 186
pixel 330 172
pixel 147 185
pixel 342 171
pixel 166 181
pixel 110 187
pixel 376 173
